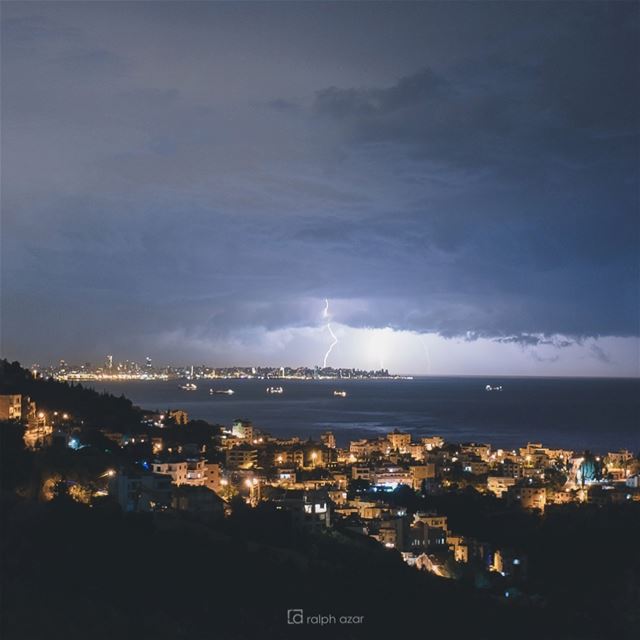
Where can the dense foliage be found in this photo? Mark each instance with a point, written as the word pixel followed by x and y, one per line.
pixel 95 409
pixel 78 571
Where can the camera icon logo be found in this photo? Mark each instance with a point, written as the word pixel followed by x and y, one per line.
pixel 295 616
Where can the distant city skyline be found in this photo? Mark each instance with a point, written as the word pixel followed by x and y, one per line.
pixel 473 360
pixel 457 183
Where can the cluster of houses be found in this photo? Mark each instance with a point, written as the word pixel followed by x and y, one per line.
pixel 38 428
pixel 321 484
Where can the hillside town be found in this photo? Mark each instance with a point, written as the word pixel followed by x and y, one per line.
pixel 382 488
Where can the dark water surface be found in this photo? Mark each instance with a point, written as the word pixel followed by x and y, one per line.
pixel 577 413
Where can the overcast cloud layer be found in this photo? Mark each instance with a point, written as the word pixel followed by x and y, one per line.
pixel 192 180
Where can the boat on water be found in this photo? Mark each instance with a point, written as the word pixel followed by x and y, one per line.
pixel 275 390
pixel 340 393
pixel 226 392
pixel 490 388
pixel 189 386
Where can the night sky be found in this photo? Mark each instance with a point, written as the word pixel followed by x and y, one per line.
pixel 190 181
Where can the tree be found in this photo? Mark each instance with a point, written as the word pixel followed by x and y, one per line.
pixel 16 462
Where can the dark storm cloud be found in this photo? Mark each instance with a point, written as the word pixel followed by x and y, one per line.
pixel 213 169
pixel 543 146
pixel 424 89
pixel 534 341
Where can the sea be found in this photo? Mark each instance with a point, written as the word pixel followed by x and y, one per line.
pixel 576 413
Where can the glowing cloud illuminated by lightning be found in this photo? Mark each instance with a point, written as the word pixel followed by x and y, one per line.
pixel 325 314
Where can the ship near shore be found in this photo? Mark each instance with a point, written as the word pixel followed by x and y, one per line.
pixel 564 412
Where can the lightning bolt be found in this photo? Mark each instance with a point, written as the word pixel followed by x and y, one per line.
pixel 325 314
